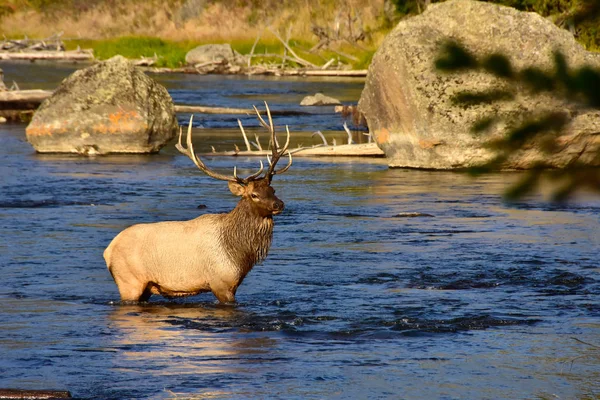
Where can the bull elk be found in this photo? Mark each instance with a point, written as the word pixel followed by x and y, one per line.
pixel 211 253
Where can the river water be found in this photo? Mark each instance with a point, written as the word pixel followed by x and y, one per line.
pixel 481 299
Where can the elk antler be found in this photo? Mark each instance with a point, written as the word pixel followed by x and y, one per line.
pixel 189 151
pixel 275 152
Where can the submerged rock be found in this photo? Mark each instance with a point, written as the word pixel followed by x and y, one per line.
pixel 412 215
pixel 408 104
pixel 110 107
pixel 319 99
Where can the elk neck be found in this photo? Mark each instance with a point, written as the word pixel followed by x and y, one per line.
pixel 247 235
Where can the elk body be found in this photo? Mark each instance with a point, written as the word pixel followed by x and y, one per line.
pixel 213 252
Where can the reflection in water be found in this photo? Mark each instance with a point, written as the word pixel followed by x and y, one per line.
pixel 166 339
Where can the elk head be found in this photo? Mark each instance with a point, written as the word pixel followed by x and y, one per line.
pixel 255 189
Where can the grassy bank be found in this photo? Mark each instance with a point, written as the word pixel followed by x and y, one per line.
pixel 170 28
pixel 172 53
pixel 135 28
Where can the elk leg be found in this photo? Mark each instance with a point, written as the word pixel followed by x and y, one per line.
pixel 224 294
pixel 147 292
pixel 133 291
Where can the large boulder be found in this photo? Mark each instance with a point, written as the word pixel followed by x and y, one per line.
pixel 110 107
pixel 214 53
pixel 408 103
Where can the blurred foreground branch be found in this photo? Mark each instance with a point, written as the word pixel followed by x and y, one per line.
pixel 543 129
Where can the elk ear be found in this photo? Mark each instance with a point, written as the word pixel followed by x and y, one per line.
pixel 236 188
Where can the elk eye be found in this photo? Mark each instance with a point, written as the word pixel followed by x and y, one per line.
pixel 254 196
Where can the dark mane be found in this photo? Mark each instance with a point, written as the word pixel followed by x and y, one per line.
pixel 246 235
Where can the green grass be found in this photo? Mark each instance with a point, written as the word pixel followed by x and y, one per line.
pixel 358 59
pixel 364 59
pixel 589 34
pixel 172 53
pixel 244 46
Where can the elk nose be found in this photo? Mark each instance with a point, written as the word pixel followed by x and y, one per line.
pixel 278 206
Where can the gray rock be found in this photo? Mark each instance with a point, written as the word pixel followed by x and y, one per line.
pixel 222 53
pixel 110 107
pixel 319 99
pixel 407 103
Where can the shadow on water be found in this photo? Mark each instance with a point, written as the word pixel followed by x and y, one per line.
pixel 379 284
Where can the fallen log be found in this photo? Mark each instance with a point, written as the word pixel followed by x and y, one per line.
pixel 145 61
pixel 73 55
pixel 52 43
pixel 226 110
pixel 345 150
pixel 34 394
pixel 325 72
pixel 31 99
pixel 348 150
pixel 264 70
pixel 19 105
pixel 23 96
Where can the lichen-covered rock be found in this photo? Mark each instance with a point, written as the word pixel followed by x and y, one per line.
pixel 319 99
pixel 408 103
pixel 221 53
pixel 110 107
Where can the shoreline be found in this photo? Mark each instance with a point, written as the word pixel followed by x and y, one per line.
pixel 261 71
pixel 86 57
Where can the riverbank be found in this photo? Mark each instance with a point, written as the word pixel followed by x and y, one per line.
pixel 262 54
pixel 347 32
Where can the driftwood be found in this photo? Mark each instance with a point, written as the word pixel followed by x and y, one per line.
pixel 33 394
pixel 345 150
pixel 261 70
pixel 20 104
pixel 31 99
pixel 294 57
pixel 319 72
pixel 145 61
pixel 323 150
pixel 73 55
pixel 253 47
pixel 225 110
pixel 23 96
pixel 53 43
